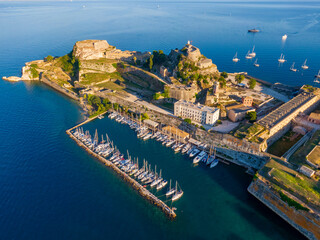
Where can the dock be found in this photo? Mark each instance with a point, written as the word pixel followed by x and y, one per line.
pixel 132 182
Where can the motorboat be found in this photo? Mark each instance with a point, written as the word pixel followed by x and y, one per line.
pixel 254 30
pixel 214 163
pixel 201 155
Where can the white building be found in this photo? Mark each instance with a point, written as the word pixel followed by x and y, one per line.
pixel 196 112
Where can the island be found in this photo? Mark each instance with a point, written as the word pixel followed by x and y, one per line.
pixel 273 130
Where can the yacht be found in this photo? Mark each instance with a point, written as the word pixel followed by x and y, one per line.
pixel 304 65
pixel 201 155
pixel 162 184
pixel 235 58
pixel 194 152
pixel 318 76
pixel 252 54
pixel 284 37
pixel 178 193
pixel 281 59
pixel 253 30
pixel 214 163
pixel 171 190
pixel 256 64
pixel 248 55
pixel 292 68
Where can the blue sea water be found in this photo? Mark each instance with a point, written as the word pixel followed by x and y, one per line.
pixel 52 189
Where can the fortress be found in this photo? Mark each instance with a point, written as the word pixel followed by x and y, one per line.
pixel 95 49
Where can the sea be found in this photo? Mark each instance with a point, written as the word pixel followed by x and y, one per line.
pixel 52 189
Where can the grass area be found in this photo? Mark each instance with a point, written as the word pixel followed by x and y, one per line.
pixel 291 202
pixel 284 144
pixel 291 181
pixel 169 106
pixel 101 60
pixel 250 132
pixel 111 85
pixel 89 78
pixel 300 155
pixel 314 156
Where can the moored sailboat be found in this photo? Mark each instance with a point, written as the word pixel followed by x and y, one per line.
pixel 178 193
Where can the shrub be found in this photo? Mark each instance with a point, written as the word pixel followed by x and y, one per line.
pixel 239 78
pixel 252 83
pixel 291 202
pixel 224 74
pixel 187 120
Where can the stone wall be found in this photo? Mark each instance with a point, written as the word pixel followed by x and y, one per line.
pixel 143 78
pixel 183 92
pixel 305 222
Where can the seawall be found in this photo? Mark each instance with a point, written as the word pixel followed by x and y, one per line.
pixel 307 223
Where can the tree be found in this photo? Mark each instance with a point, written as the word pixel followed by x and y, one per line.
pixel 49 58
pixel 135 60
pixel 222 82
pixel 251 116
pixel 187 120
pixel 156 96
pixel 239 78
pixel 224 74
pixel 144 116
pixel 150 62
pixel 252 83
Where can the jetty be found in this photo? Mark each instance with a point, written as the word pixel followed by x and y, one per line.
pixel 145 193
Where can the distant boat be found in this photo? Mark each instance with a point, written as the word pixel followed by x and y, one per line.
pixel 318 76
pixel 281 59
pixel 292 68
pixel 235 58
pixel 256 64
pixel 171 190
pixel 253 30
pixel 304 65
pixel 284 37
pixel 252 54
pixel 214 163
pixel 248 55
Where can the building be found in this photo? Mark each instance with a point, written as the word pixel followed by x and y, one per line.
pixel 239 113
pixel 278 121
pixel 175 133
pixel 196 112
pixel 151 124
pixel 247 101
pixel 314 118
pixel 306 171
pixel 183 92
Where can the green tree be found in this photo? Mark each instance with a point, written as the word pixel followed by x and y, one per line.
pixel 187 120
pixel 239 78
pixel 156 96
pixel 115 106
pixel 135 60
pixel 252 83
pixel 224 74
pixel 222 82
pixel 49 58
pixel 251 116
pixel 150 62
pixel 144 116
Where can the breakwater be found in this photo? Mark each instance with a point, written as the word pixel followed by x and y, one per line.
pixel 133 183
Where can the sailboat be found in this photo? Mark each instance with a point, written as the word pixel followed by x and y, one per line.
pixel 248 55
pixel 281 59
pixel 304 65
pixel 235 58
pixel 256 64
pixel 317 77
pixel 292 68
pixel 211 157
pixel 252 54
pixel 178 193
pixel 171 190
